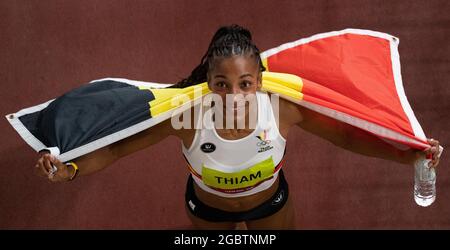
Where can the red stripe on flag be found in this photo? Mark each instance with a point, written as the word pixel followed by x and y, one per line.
pixel 349 73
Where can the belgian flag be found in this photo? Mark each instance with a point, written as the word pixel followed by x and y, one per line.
pixel 351 75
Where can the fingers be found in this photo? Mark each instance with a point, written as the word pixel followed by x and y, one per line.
pixel 42 170
pixel 45 167
pixel 57 163
pixel 61 174
pixel 433 141
pixel 434 152
pixel 435 163
pixel 47 163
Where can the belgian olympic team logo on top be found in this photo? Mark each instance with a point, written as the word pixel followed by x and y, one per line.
pixel 263 143
pixel 262 139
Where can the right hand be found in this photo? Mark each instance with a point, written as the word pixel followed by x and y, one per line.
pixel 44 168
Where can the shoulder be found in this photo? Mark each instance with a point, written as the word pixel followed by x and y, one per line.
pixel 289 112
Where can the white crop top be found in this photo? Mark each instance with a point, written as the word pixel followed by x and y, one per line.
pixel 233 168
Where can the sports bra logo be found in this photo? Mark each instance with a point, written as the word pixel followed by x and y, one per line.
pixel 208 147
pixel 279 198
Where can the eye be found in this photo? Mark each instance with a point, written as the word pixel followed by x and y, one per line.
pixel 221 85
pixel 245 84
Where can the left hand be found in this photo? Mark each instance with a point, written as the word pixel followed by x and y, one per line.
pixel 434 151
pixel 44 167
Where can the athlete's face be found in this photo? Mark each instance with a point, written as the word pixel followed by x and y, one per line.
pixel 233 78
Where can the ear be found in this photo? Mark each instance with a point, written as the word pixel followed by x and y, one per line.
pixel 259 81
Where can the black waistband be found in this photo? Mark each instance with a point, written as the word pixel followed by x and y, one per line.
pixel 267 208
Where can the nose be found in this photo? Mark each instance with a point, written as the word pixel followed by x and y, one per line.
pixel 234 91
pixel 236 95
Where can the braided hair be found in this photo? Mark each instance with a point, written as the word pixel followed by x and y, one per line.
pixel 228 41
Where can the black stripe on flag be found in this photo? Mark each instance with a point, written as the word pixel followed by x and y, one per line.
pixel 88 113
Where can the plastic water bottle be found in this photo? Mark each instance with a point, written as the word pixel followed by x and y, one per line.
pixel 424 183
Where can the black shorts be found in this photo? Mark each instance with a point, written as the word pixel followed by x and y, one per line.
pixel 267 208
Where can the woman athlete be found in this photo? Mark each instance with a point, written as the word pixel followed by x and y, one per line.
pixel 236 173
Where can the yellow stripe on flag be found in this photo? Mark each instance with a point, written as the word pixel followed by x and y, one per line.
pixel 274 87
pixel 265 64
pixel 167 99
pixel 288 80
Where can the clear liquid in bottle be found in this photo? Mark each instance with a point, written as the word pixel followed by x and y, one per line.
pixel 424 183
